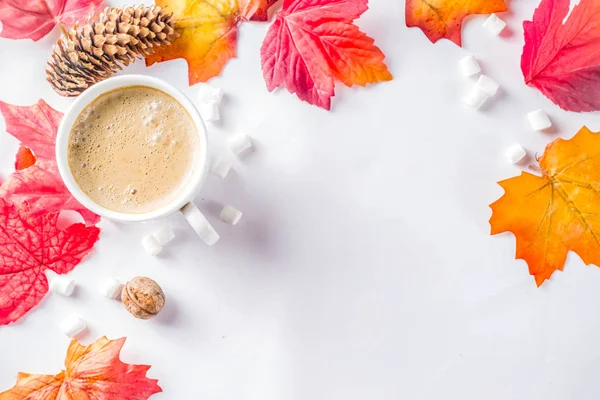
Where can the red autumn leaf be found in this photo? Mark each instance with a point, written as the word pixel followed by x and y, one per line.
pixel 443 19
pixel 312 42
pixel 35 126
pixel 25 158
pixel 262 11
pixel 28 246
pixel 34 19
pixel 92 372
pixel 563 60
pixel 40 185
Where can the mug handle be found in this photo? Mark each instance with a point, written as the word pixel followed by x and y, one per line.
pixel 200 224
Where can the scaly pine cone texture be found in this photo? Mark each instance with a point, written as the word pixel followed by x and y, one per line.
pixel 104 44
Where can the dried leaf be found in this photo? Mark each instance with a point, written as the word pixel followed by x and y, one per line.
pixel 312 42
pixel 207 34
pixel 443 19
pixel 562 60
pixel 25 158
pixel 34 19
pixel 40 185
pixel 557 212
pixel 30 245
pixel 92 372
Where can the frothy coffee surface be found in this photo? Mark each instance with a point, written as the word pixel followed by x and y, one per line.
pixel 132 150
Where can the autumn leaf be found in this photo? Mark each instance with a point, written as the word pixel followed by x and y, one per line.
pixel 260 12
pixel 34 19
pixel 313 42
pixel 92 372
pixel 30 245
pixel 558 211
pixel 443 19
pixel 40 185
pixel 24 159
pixel 207 34
pixel 562 60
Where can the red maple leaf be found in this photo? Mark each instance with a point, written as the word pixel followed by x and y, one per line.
pixel 563 60
pixel 34 19
pixel 40 185
pixel 92 372
pixel 30 245
pixel 312 42
pixel 24 159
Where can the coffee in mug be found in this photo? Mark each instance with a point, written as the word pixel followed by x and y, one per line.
pixel 132 150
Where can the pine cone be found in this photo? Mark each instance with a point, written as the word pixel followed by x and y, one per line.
pixel 106 43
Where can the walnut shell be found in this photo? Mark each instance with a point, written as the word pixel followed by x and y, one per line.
pixel 143 297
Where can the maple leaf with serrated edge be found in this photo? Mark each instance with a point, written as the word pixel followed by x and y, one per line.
pixel 34 19
pixel 91 372
pixel 28 247
pixel 207 33
pixel 562 60
pixel 443 19
pixel 313 42
pixel 558 211
pixel 40 185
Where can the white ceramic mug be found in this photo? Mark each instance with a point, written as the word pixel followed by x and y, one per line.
pixel 195 180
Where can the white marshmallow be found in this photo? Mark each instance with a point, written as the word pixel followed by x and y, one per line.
pixel 110 287
pixel 200 224
pixel 231 215
pixel 62 285
pixel 476 97
pixel 210 94
pixel 469 66
pixel 73 326
pixel 164 235
pixel 240 144
pixel 210 111
pixel 488 85
pixel 221 168
pixel 151 245
pixel 494 24
pixel 539 120
pixel 515 153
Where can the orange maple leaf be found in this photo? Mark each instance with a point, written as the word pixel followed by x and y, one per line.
pixel 92 372
pixel 557 211
pixel 440 19
pixel 207 33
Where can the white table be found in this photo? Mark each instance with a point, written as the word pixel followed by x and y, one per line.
pixel 363 266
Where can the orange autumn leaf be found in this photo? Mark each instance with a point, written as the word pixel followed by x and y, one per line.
pixel 558 211
pixel 440 19
pixel 92 372
pixel 207 33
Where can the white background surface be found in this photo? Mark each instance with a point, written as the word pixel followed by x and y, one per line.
pixel 363 266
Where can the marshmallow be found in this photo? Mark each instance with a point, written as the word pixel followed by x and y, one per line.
pixel 469 66
pixel 494 24
pixel 488 85
pixel 515 153
pixel 62 285
pixel 210 94
pixel 231 215
pixel 240 144
pixel 151 245
pixel 210 111
pixel 221 168
pixel 200 224
pixel 110 287
pixel 164 235
pixel 539 120
pixel 476 97
pixel 73 326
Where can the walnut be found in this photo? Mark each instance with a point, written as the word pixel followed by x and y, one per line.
pixel 143 297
